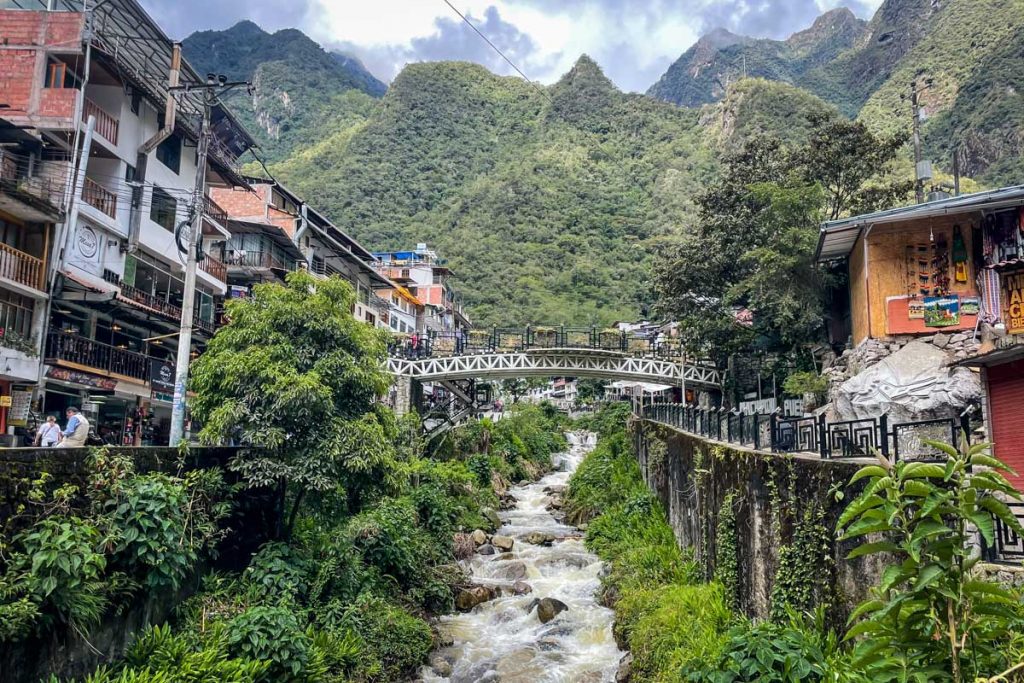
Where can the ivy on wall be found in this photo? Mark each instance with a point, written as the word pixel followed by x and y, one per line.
pixel 727 560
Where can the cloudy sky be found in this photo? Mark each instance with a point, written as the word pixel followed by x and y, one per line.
pixel 633 40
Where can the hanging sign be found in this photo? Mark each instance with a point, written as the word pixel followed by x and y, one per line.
pixel 1013 299
pixel 161 375
pixel 82 378
pixel 941 311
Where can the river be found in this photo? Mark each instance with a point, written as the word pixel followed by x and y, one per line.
pixel 503 640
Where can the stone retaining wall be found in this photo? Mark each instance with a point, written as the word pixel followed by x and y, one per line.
pixel 692 477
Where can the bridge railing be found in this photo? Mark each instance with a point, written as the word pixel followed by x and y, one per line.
pixel 434 344
pixel 812 434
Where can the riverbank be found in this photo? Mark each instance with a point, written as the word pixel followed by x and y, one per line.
pixel 543 621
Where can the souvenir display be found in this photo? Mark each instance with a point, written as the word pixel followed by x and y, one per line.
pixel 959 256
pixel 942 311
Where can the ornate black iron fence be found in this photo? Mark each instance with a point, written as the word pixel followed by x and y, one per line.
pixel 844 439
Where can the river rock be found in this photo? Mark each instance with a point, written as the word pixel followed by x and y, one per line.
pixel 521 588
pixel 479 537
pixel 491 516
pixel 549 608
pixel 513 571
pixel 625 672
pixel 504 543
pixel 441 665
pixel 539 538
pixel 471 596
pixel 555 502
pixel 487 549
pixel 555 488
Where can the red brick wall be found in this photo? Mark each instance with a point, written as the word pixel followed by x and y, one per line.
pixel 241 203
pixel 26 37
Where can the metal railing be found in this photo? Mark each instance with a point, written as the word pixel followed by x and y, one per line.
pixel 22 268
pixel 99 197
pixel 89 353
pixel 106 124
pixel 842 439
pixel 43 180
pixel 164 308
pixel 1009 545
pixel 235 258
pixel 214 210
pixel 432 344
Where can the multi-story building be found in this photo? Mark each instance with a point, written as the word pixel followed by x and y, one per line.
pixel 95 89
pixel 273 231
pixel 428 278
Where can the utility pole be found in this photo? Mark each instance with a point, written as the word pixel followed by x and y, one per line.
pixel 210 90
pixel 922 168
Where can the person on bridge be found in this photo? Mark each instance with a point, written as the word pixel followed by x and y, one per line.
pixel 414 344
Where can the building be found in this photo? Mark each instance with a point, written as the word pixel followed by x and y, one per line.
pixel 94 90
pixel 429 279
pixel 939 271
pixel 274 231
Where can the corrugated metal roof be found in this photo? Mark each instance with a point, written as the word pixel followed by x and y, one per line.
pixel 838 237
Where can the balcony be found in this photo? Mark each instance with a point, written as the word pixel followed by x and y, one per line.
pixel 214 211
pixel 19 267
pixel 100 198
pixel 106 124
pixel 32 189
pixel 70 349
pixel 164 308
pixel 261 260
pixel 214 268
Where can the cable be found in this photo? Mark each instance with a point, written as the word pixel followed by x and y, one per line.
pixel 494 47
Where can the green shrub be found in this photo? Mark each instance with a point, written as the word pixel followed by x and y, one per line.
pixel 160 653
pixel 63 567
pixel 682 626
pixel 395 642
pixel 276 574
pixel 272 634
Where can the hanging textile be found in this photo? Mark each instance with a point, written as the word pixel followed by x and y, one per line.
pixel 959 256
pixel 991 298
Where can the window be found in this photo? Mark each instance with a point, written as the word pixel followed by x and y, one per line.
pixel 168 153
pixel 163 209
pixel 15 314
pixel 59 76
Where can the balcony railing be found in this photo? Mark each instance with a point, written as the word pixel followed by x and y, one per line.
pixel 164 308
pixel 99 197
pixel 214 267
pixel 106 125
pixel 89 353
pixel 214 211
pixel 236 258
pixel 40 180
pixel 20 267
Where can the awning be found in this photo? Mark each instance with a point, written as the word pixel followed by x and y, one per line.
pixel 836 238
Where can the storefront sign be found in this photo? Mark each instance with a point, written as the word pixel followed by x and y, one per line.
pixel 21 402
pixel 162 397
pixel 82 378
pixel 1013 297
pixel 5 402
pixel 161 375
pixel 88 241
pixel 941 311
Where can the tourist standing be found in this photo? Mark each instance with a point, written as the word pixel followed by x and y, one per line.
pixel 48 433
pixel 77 431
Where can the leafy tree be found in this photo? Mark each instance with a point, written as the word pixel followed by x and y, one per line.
pixel 744 277
pixel 930 619
pixel 294 375
pixel 521 386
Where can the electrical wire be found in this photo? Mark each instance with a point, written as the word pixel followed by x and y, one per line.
pixel 494 47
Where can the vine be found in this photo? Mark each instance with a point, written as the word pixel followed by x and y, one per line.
pixel 727 551
pixel 803 581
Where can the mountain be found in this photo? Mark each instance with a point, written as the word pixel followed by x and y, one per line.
pixel 300 91
pixel 548 202
pixel 702 74
pixel 969 50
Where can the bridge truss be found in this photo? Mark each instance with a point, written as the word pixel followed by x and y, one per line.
pixel 569 362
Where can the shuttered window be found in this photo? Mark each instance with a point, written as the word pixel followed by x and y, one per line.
pixel 1006 400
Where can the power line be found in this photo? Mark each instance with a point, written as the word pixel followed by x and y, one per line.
pixel 494 47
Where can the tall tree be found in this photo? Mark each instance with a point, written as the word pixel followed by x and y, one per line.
pixel 294 375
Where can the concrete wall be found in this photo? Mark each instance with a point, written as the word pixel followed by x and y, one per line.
pixel 771 492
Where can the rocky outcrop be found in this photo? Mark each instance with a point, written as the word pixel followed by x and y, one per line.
pixel 549 608
pixel 914 383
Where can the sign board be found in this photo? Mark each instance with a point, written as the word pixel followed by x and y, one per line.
pixel 161 375
pixel 21 403
pixel 6 402
pixel 1013 301
pixel 81 378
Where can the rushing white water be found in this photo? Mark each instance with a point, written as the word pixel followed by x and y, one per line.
pixel 500 640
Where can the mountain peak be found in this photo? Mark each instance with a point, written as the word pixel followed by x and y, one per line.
pixel 246 27
pixel 585 73
pixel 839 24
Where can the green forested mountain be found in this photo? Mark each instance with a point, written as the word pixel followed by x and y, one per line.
pixel 300 91
pixel 970 49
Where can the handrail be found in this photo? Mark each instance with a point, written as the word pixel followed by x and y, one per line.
pixel 99 197
pixel 106 124
pixel 21 267
pixel 214 210
pixel 213 267
pixel 90 353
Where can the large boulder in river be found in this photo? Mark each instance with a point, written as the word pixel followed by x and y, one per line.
pixel 471 596
pixel 503 543
pixel 512 571
pixel 539 538
pixel 487 549
pixel 491 516
pixel 479 536
pixel 912 384
pixel 549 608
pixel 521 588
